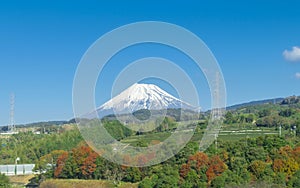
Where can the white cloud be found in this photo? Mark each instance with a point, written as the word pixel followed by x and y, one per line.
pixel 292 55
pixel 297 75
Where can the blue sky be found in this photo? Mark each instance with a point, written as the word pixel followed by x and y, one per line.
pixel 42 42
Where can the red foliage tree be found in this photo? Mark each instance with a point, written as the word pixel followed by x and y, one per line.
pixel 184 170
pixel 88 167
pixel 60 164
pixel 200 159
pixel 216 167
pixel 85 159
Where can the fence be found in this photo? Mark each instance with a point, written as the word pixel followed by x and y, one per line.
pixel 19 169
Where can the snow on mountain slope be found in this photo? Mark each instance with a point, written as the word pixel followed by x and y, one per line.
pixel 141 96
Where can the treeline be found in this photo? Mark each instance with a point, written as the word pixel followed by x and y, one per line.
pixel 30 147
pixel 285 115
pixel 43 124
pixel 119 131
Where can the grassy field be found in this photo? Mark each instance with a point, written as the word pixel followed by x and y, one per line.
pixel 72 183
pixel 20 181
pixel 233 134
pixel 149 138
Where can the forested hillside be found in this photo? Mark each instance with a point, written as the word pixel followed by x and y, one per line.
pixel 234 160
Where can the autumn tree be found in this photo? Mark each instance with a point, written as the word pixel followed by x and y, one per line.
pixel 199 160
pixel 60 165
pixel 216 168
pixel 257 168
pixel 47 162
pixel 287 161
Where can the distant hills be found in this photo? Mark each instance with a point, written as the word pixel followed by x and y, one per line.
pixel 172 112
pixel 43 123
pixel 282 101
pixel 252 103
pixel 37 124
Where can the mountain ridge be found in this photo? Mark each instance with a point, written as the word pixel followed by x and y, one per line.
pixel 255 102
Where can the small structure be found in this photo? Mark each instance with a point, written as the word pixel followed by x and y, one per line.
pixel 17 169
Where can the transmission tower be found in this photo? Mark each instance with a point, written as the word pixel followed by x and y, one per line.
pixel 217 108
pixel 12 113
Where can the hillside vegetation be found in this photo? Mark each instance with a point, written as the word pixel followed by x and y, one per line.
pixel 250 152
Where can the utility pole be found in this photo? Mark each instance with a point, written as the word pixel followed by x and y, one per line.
pixel 279 130
pixel 16 163
pixel 247 137
pixel 216 141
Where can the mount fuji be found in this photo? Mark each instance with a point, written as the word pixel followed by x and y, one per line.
pixel 142 96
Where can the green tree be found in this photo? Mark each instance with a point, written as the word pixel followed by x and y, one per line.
pixel 280 179
pixel 146 183
pixel 132 174
pixel 218 182
pixel 287 112
pixel 255 153
pixel 4 181
pixel 250 118
pixel 295 180
pixel 168 177
pixel 192 180
pixel 264 112
pixel 229 118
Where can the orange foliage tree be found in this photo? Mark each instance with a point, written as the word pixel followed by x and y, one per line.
pixel 200 159
pixel 85 159
pixel 216 168
pixel 79 163
pixel 60 164
pixel 184 170
pixel 287 161
pixel 212 167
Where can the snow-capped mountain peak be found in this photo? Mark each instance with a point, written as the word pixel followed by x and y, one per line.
pixel 141 96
